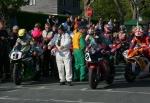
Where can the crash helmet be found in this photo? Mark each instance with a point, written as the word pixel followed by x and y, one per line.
pixel 21 33
pixel 107 28
pixel 36 32
pixel 138 31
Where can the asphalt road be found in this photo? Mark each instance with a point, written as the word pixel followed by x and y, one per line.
pixel 119 92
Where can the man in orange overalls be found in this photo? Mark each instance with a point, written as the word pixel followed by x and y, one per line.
pixel 139 44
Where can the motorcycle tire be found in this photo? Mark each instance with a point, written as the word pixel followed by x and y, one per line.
pixel 129 75
pixel 17 75
pixel 109 74
pixel 93 82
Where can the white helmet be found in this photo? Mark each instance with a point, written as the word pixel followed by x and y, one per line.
pixel 138 31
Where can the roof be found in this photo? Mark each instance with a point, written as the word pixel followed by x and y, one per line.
pixel 42 6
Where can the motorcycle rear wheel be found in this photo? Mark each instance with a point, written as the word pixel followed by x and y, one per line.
pixel 109 74
pixel 129 75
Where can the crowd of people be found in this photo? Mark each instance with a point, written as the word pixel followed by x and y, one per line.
pixel 63 45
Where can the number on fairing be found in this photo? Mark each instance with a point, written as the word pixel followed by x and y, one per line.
pixel 16 55
pixel 87 57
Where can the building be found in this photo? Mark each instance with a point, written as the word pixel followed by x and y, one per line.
pixel 53 7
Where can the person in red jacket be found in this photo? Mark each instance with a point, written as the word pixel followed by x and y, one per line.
pixel 139 44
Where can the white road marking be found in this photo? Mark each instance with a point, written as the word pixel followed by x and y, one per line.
pixel 12 91
pixel 106 90
pixel 5 97
pixel 20 86
pixel 83 89
pixel 49 100
pixel 41 87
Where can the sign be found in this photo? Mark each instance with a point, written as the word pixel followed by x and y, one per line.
pixel 89 12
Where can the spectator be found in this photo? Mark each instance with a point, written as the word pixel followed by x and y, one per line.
pixel 115 25
pixel 13 36
pixel 149 31
pixel 37 34
pixel 49 20
pixel 62 43
pixel 47 35
pixel 79 46
pixel 4 47
pixel 54 70
pixel 52 20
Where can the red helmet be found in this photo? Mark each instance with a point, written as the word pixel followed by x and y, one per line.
pixel 36 32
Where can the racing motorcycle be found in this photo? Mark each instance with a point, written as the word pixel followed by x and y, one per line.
pixel 118 49
pixel 136 67
pixel 99 68
pixel 23 61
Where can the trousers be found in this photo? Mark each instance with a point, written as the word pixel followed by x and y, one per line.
pixel 64 65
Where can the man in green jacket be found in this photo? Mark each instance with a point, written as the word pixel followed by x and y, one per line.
pixel 79 46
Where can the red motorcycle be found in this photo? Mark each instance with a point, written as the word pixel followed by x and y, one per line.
pixel 100 69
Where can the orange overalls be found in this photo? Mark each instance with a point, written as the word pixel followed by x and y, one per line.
pixel 142 45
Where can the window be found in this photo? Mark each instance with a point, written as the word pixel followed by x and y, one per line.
pixel 64 2
pixel 32 2
pixel 76 3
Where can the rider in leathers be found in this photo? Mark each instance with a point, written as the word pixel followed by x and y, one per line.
pixel 139 44
pixel 24 40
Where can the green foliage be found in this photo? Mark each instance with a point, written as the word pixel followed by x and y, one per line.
pixel 104 8
pixel 108 9
pixel 10 7
pixel 126 9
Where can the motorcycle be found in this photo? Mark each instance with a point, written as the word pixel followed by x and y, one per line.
pixel 117 50
pixel 23 61
pixel 136 67
pixel 99 69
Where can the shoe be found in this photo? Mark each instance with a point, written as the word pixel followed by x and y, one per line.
pixel 69 83
pixel 62 83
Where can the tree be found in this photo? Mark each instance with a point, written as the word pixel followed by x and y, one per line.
pixel 105 9
pixel 138 6
pixel 87 3
pixel 120 9
pixel 9 8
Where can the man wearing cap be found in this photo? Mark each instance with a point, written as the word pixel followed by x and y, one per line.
pixel 61 48
pixel 79 46
pixel 141 42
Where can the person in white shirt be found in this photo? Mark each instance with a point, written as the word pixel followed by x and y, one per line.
pixel 47 36
pixel 61 47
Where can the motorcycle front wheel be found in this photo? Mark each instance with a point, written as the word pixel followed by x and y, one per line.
pixel 17 75
pixel 93 82
pixel 109 74
pixel 129 75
